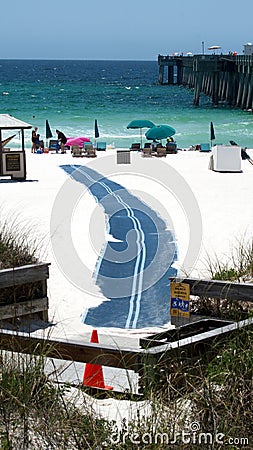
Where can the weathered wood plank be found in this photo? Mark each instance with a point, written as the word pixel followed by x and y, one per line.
pixel 184 331
pixel 15 310
pixel 219 289
pixel 73 351
pixel 196 342
pixel 24 274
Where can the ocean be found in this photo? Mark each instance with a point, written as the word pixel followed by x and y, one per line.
pixel 72 94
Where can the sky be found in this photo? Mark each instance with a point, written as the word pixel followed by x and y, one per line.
pixel 121 30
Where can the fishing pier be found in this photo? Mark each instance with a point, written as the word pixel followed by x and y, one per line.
pixel 223 78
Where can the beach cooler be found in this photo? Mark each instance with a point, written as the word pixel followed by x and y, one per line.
pixel 226 158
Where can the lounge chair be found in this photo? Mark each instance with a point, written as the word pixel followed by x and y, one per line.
pixel 135 146
pixel 171 147
pixel 76 151
pixel 101 146
pixel 160 151
pixel 89 151
pixel 54 145
pixel 147 151
pixel 205 147
pixel 87 146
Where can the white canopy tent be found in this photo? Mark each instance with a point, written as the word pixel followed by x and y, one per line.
pixel 8 122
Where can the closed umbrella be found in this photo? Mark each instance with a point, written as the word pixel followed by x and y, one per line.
pixel 48 131
pixel 160 132
pixel 140 123
pixel 212 135
pixel 96 129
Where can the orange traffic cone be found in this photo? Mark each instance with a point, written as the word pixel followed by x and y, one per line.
pixel 93 373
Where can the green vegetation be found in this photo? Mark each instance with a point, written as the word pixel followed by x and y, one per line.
pixel 17 247
pixel 34 413
pixel 237 267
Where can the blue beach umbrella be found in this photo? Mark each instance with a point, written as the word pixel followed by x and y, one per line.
pixel 140 123
pixel 160 132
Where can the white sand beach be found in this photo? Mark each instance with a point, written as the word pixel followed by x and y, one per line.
pixel 224 201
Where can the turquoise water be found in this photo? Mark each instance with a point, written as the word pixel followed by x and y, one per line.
pixel 72 94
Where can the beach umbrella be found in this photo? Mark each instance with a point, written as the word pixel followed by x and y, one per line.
pixel 140 123
pixel 160 132
pixel 96 129
pixel 212 135
pixel 214 47
pixel 48 130
pixel 77 141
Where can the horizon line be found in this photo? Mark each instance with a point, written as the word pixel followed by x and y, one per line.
pixel 73 59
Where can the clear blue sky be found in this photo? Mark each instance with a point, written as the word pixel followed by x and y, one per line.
pixel 119 29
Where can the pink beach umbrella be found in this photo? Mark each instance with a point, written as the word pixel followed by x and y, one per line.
pixel 77 141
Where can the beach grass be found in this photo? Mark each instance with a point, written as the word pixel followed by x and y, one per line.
pixel 237 266
pixel 18 244
pixel 34 412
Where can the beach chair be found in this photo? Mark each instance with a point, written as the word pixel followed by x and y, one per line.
pixel 160 151
pixel 53 145
pixel 89 151
pixel 147 152
pixel 87 145
pixel 101 146
pixel 171 147
pixel 205 147
pixel 76 151
pixel 135 146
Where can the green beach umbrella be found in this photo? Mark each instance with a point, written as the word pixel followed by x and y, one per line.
pixel 140 123
pixel 160 132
